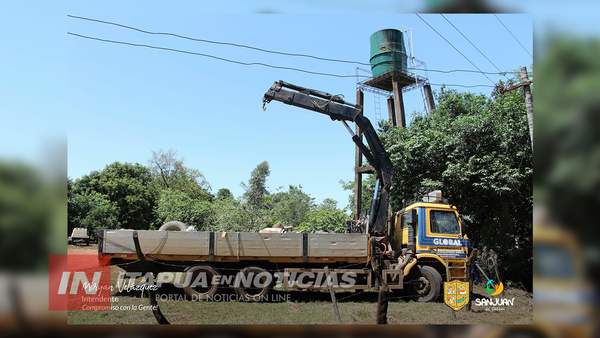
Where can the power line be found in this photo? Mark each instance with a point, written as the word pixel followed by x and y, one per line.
pixel 463 71
pixel 245 63
pixel 218 42
pixel 472 44
pixel 464 86
pixel 212 56
pixel 269 51
pixel 453 47
pixel 513 36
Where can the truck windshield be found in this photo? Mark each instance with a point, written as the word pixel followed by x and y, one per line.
pixel 444 222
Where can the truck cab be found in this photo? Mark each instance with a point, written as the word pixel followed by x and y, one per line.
pixel 431 239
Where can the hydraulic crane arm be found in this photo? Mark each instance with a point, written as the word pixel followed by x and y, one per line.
pixel 337 109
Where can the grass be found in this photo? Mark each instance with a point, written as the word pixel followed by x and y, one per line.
pixel 305 307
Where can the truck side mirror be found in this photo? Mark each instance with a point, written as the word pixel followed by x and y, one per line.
pixel 411 216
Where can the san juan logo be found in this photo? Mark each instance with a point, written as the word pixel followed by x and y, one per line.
pixel 456 294
pixel 494 289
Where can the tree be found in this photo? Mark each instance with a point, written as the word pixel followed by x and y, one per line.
pixel 128 187
pixel 324 218
pixel 254 197
pixel 291 207
pixel 92 210
pixel 224 193
pixel 229 215
pixel 368 189
pixel 329 204
pixel 174 205
pixel 477 151
pixel 256 189
pixel 169 172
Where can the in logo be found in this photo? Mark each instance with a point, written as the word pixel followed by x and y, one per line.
pixel 79 282
pixel 494 289
pixel 456 294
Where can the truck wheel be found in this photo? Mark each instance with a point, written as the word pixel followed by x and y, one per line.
pixel 203 288
pixel 173 226
pixel 253 284
pixel 426 285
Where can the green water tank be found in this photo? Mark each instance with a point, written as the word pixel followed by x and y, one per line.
pixel 387 52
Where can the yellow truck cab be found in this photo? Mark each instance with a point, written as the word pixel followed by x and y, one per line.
pixel 431 235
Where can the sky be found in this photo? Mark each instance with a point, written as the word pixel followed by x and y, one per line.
pixel 120 103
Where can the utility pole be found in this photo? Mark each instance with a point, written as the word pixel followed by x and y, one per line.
pixel 528 103
pixel 525 82
pixel 360 98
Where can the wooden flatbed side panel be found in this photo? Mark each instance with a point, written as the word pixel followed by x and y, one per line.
pixel 338 245
pixel 157 242
pixel 253 244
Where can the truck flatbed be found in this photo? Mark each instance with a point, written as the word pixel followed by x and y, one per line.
pixel 236 246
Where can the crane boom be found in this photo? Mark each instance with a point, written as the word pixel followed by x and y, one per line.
pixel 337 109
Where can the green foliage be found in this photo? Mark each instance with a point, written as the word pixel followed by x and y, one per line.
pixel 290 207
pixel 256 189
pixel 127 186
pixel 117 195
pixel 92 210
pixel 329 204
pixel 368 189
pixel 224 194
pixel 168 172
pixel 254 197
pixel 325 218
pixel 175 205
pixel 477 151
pixel 229 215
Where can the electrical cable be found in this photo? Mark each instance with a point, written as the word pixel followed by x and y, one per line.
pixel 266 50
pixel 472 44
pixel 218 42
pixel 244 63
pixel 212 56
pixel 438 33
pixel 464 86
pixel 513 36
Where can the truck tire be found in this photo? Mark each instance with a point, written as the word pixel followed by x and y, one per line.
pixel 425 285
pixel 261 283
pixel 204 291
pixel 173 226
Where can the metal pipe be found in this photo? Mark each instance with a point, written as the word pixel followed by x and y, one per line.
pixel 317 93
pixel 374 203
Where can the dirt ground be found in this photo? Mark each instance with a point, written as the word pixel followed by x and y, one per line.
pixel 91 249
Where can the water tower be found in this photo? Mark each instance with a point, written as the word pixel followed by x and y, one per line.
pixel 395 70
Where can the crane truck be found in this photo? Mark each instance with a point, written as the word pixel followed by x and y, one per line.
pixel 417 249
